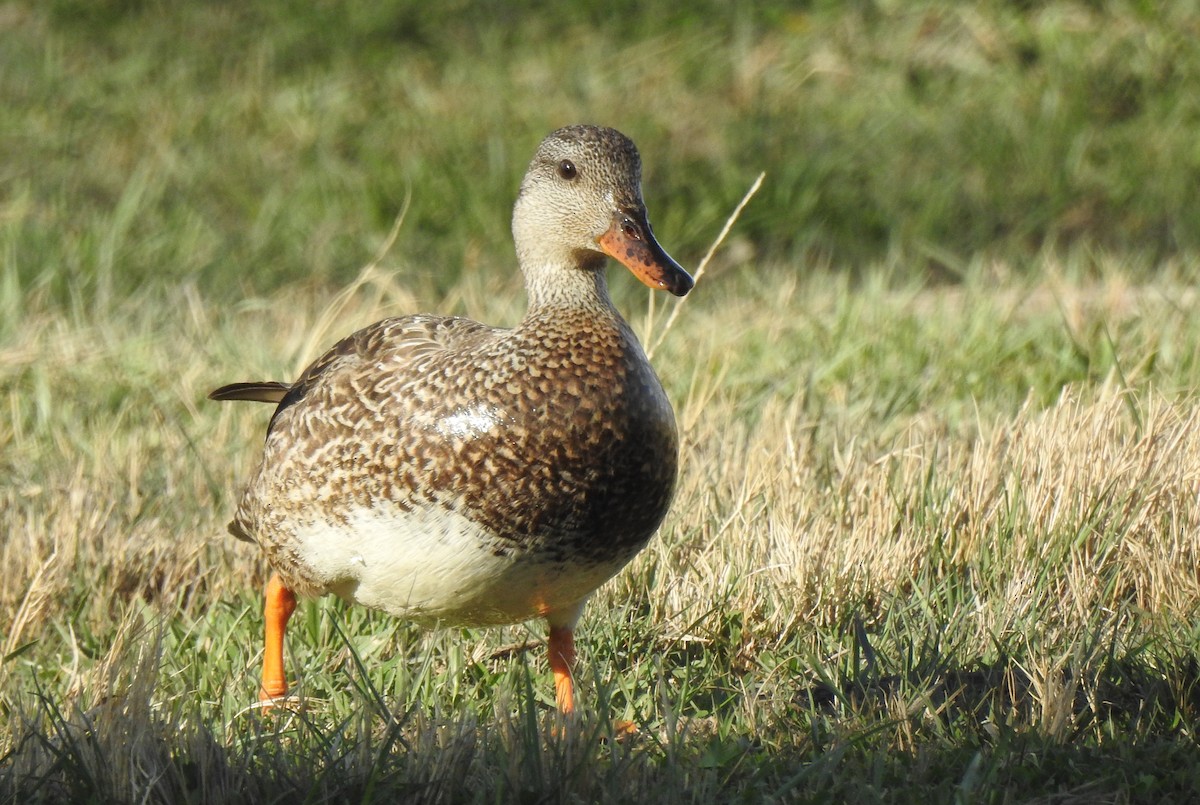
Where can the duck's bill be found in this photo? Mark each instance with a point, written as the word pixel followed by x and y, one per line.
pixel 630 242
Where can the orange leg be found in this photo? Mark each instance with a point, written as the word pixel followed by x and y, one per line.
pixel 281 603
pixel 562 657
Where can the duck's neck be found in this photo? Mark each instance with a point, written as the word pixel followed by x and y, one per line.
pixel 581 287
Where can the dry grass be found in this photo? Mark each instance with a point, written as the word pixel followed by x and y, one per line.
pixel 936 525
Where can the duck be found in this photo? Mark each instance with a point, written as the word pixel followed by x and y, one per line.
pixel 453 473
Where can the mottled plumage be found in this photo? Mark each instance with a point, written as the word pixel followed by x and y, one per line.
pixel 447 471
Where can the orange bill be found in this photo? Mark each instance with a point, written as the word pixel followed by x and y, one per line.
pixel 631 242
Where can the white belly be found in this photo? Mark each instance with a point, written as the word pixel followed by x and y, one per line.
pixel 433 565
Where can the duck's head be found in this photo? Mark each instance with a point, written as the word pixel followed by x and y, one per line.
pixel 581 199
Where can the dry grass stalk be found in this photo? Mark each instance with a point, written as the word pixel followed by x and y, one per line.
pixel 716 244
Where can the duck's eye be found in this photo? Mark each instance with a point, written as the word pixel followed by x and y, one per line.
pixel 567 169
pixel 630 229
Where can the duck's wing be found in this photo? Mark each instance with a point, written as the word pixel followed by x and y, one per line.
pixel 409 340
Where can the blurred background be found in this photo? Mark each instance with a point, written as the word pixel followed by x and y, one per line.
pixel 240 146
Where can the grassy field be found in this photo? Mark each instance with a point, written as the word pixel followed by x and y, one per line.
pixel 937 535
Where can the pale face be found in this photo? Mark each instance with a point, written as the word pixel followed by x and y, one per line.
pixel 582 194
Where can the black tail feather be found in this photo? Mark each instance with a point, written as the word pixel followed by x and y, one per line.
pixel 265 391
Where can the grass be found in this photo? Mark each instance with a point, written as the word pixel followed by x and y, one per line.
pixel 912 556
pixel 936 532
pixel 286 136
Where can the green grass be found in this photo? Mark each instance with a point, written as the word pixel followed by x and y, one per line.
pixel 241 148
pixel 936 535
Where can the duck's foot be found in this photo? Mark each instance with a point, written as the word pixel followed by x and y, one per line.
pixel 623 730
